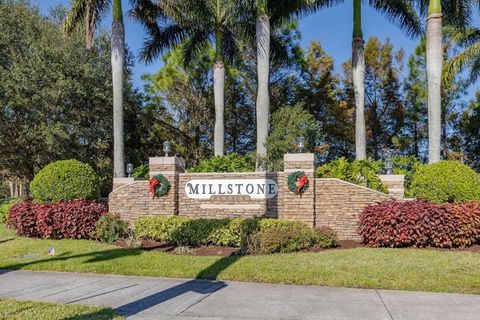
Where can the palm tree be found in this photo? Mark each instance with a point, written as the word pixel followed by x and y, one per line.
pixel 195 25
pixel 89 12
pixel 468 39
pixel 271 12
pixel 402 11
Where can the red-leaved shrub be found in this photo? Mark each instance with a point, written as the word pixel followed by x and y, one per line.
pixel 65 219
pixel 411 223
pixel 468 216
pixel 22 218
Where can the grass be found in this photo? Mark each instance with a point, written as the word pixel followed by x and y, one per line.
pixel 403 269
pixel 28 310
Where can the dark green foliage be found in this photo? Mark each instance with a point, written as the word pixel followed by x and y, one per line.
pixel 4 208
pixel 229 163
pixel 65 180
pixel 324 237
pixel 446 182
pixel 361 172
pixel 109 228
pixel 141 172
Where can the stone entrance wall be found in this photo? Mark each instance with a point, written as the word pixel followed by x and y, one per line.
pixel 327 202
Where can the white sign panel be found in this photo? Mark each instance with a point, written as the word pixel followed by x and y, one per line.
pixel 255 188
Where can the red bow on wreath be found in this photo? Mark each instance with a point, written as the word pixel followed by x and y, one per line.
pixel 302 182
pixel 153 184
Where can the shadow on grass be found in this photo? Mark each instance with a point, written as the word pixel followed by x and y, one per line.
pixel 6 240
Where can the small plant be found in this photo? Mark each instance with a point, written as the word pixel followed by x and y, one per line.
pixel 110 228
pixel 361 172
pixel 65 180
pixel 4 208
pixel 446 182
pixel 141 172
pixel 230 163
pixel 324 237
pixel 183 250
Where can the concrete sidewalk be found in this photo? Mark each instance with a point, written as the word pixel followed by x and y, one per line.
pixel 160 298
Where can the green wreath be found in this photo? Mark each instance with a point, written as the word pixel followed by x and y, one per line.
pixel 298 182
pixel 158 185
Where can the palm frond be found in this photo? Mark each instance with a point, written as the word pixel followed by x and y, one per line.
pixel 470 57
pixel 293 9
pixel 194 45
pixel 401 12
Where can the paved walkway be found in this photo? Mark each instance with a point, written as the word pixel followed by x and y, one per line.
pixel 160 298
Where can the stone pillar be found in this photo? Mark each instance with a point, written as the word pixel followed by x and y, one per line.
pixel 395 185
pixel 170 167
pixel 299 207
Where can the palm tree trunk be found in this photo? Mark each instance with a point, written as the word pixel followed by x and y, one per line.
pixel 118 57
pixel 219 96
pixel 263 99
pixel 358 69
pixel 434 75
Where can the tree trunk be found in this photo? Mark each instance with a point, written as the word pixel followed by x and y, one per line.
pixel 219 91
pixel 434 75
pixel 358 69
pixel 118 57
pixel 263 99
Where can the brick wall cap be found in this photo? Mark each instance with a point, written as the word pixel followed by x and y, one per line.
pixel 220 174
pixel 392 177
pixel 126 185
pixel 123 180
pixel 165 160
pixel 306 157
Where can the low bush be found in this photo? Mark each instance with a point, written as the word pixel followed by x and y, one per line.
pixel 65 180
pixel 141 172
pixel 184 231
pixel 280 236
pixel 256 235
pixel 65 219
pixel 324 237
pixel 4 208
pixel 361 172
pixel 109 228
pixel 419 224
pixel 446 182
pixel 230 163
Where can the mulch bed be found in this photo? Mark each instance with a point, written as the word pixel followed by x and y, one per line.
pixel 150 245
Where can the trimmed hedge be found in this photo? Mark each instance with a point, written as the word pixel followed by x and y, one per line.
pixel 65 180
pixel 420 224
pixel 65 219
pixel 256 235
pixel 446 182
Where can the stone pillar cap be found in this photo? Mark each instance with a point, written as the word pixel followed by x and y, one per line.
pixel 294 157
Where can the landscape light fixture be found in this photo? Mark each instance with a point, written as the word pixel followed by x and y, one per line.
pixel 166 148
pixel 301 144
pixel 388 165
pixel 129 169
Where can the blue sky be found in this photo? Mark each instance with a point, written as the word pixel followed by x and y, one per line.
pixel 332 27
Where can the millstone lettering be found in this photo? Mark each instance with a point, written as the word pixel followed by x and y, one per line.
pixel 255 188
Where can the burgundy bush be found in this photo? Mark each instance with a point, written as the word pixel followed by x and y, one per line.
pixel 468 216
pixel 23 219
pixel 410 223
pixel 65 219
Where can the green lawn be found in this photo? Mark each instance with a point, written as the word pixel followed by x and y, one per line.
pixel 28 310
pixel 406 269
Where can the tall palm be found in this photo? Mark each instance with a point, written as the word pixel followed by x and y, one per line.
pixel 457 14
pixel 195 25
pixel 401 11
pixel 271 12
pixel 90 12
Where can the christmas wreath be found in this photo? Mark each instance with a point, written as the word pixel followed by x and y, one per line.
pixel 158 186
pixel 298 182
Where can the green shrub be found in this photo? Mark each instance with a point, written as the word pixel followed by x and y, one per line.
pixel 324 237
pixel 361 172
pixel 109 228
pixel 141 172
pixel 4 208
pixel 230 163
pixel 184 231
pixel 65 180
pixel 446 182
pixel 406 165
pixel 276 235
